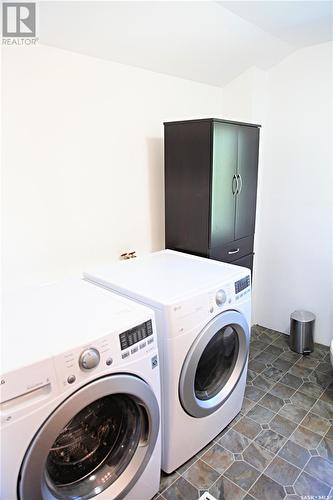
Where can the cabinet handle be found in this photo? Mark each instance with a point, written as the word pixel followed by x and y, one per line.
pixel 233 187
pixel 240 185
pixel 233 251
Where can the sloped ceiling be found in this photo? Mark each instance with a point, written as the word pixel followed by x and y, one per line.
pixel 209 42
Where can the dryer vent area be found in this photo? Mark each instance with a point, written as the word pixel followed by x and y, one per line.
pixel 281 443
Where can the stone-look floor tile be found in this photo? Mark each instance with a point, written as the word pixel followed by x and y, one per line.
pixel 253 354
pixel 248 427
pixel 290 490
pixel 300 371
pixel 272 373
pixel 250 375
pixel 257 456
pixel 290 356
pixel 325 367
pixel 167 479
pixel 181 490
pixel 265 357
pixel 282 425
pixel 253 393
pixel 256 332
pixel 242 474
pixel 282 472
pixel 291 381
pixel 325 449
pixel 321 469
pixel 223 489
pixel 268 337
pixel 282 341
pixel 266 488
pixel 263 383
pixel 305 438
pixel 311 389
pixel 295 454
pixel 218 458
pixel 270 440
pixel 256 366
pixel 302 400
pixel 257 345
pixel 260 414
pixel 307 362
pixel 310 487
pixel 329 433
pixel 187 465
pixel 282 364
pixel 201 475
pixel 320 378
pixel 271 402
pixel 247 405
pixel 316 424
pixel 224 431
pixel 327 396
pixel 282 391
pixel 273 349
pixel 323 409
pixel 234 442
pixel 293 412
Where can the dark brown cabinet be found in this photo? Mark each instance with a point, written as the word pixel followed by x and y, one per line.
pixel 211 187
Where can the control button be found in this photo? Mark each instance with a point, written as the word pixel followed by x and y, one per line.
pixel 89 359
pixel 134 350
pixel 142 345
pixel 150 341
pixel 220 297
pixel 211 310
pixel 71 379
pixel 125 354
pixel 109 361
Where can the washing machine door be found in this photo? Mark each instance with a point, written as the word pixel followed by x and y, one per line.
pixel 214 364
pixel 98 440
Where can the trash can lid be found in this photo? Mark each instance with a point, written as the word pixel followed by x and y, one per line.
pixel 303 316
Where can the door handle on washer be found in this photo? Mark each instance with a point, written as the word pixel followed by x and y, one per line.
pixel 234 178
pixel 240 185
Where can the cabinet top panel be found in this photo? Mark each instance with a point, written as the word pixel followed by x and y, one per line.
pixel 219 120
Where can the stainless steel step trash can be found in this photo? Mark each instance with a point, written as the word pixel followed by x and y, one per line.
pixel 301 331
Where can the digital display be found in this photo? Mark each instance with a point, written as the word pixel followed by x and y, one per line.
pixel 134 335
pixel 242 284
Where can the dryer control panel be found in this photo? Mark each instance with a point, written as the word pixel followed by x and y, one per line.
pixel 135 335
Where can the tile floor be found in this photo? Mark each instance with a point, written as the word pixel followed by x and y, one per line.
pixel 281 444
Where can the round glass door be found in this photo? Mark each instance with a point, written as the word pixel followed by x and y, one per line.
pixel 214 364
pixel 95 447
pixel 98 439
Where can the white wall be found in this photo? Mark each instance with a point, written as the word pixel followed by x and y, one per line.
pixel 293 243
pixel 83 159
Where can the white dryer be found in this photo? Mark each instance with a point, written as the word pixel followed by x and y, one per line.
pixel 203 313
pixel 80 409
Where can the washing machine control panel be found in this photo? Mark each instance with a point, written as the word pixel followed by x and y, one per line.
pixel 242 284
pixel 113 350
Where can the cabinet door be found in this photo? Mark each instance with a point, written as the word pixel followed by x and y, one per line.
pixel 247 170
pixel 223 202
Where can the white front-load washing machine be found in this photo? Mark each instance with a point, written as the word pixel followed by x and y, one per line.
pixel 80 396
pixel 203 313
